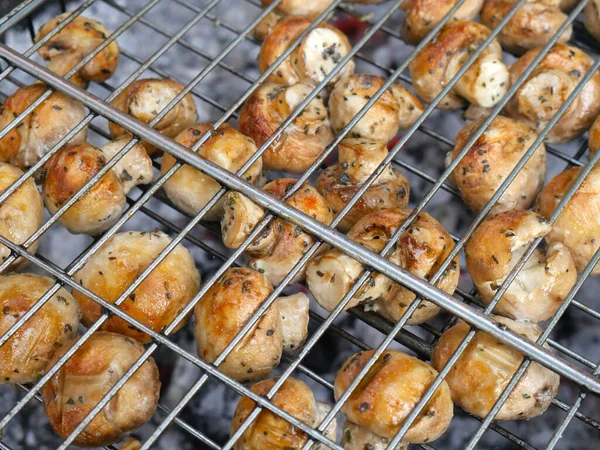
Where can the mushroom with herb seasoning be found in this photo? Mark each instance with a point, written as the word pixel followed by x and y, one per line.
pixel 485 368
pixel 491 159
pixel 388 392
pixel 578 224
pixel 547 88
pixel 396 109
pixel 281 245
pixel 24 356
pixel 483 84
pixel 300 143
pixel 312 60
pixel 189 189
pixel 74 42
pixel 79 385
pixel 356 437
pixel 546 278
pixel 533 25
pixel 421 249
pixel 44 127
pixel 226 308
pixel 271 432
pixel 358 159
pixel 163 294
pixel 68 170
pixel 145 99
pixel 20 214
pixel 423 15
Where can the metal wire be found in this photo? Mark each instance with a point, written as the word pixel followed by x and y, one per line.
pixel 472 316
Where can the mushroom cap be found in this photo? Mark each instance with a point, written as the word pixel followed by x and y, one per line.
pixel 484 369
pixel 356 437
pixel 578 225
pixel 23 358
pixel 491 159
pixel 544 281
pixel 297 147
pixel 389 391
pixel 42 129
pixel 222 313
pixel 87 376
pixel 145 99
pixel 156 301
pixel 190 189
pixel 538 99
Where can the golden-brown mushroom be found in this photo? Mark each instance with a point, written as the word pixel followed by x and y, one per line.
pixel 591 18
pixel 540 287
pixel 594 138
pixel 491 159
pixel 484 83
pixel 533 25
pixel 20 214
pixel 191 190
pixel 396 109
pixel 145 99
pixel 42 129
pixel 282 243
pixel 74 42
pixel 87 376
pixel 356 437
pixel 226 308
pixel 75 164
pixel 423 15
pixel 358 159
pixel 578 225
pixel 156 301
pixel 485 368
pixel 539 98
pixel 311 61
pixel 271 432
pixel 389 391
pixel 25 355
pixel 421 250
pixel 308 8
pixel 297 147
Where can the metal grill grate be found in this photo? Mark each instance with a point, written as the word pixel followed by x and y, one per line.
pixel 570 364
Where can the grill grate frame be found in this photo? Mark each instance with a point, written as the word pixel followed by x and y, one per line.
pixel 586 380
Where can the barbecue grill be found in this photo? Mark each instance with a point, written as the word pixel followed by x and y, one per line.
pixel 146 206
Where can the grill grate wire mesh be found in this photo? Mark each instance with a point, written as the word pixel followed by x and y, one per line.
pixel 422 347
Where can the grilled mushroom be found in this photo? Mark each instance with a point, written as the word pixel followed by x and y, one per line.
pixel 20 214
pixel 395 109
pixel 156 302
pixel 539 98
pixel 145 99
pixel 423 15
pixel 87 376
pixel 74 42
pixel 491 159
pixel 485 368
pixel 540 287
pixel 578 225
pixel 25 355
pixel 594 138
pixel 355 437
pixel 224 310
pixel 285 8
pixel 421 250
pixel 358 159
pixel 42 129
pixel 75 164
pixel 533 25
pixel 483 84
pixel 269 431
pixel 310 62
pixel 191 190
pixel 282 244
pixel 389 391
pixel 591 18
